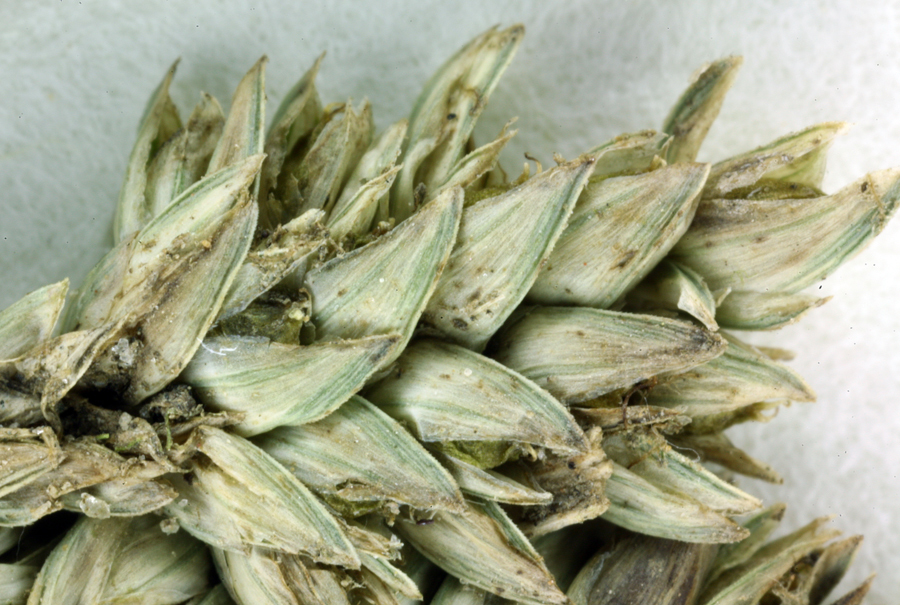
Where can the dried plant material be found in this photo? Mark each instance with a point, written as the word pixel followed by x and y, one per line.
pixel 626 418
pixel 358 457
pixel 760 525
pixel 238 497
pixel 477 162
pixel 194 300
pixel 639 219
pixel 502 243
pixel 577 483
pixel 19 406
pixel 179 266
pixel 26 454
pixel 674 287
pixel 426 575
pixel 641 569
pixel 53 368
pixel 295 118
pixel 119 430
pixel 184 158
pixel 814 576
pixel 9 537
pixel 718 448
pixel 91 304
pixel 697 108
pixel 122 561
pixel 747 310
pixel 374 590
pixel 741 376
pixel 159 122
pixel 30 321
pixel 15 582
pixel 491 485
pixel 445 113
pixel 273 384
pixel 392 278
pixel 365 197
pixel 314 180
pixel 84 464
pixel 630 153
pixel 127 497
pixel 749 581
pixel 454 592
pixel 568 550
pixel 857 595
pixel 282 254
pixel 354 220
pixel 578 354
pixel 370 535
pixel 266 577
pixel 644 452
pixel 279 315
pixel 805 171
pixel 483 548
pixel 772 160
pixel 830 566
pixel 243 133
pixel 442 392
pixel 786 244
pixel 390 576
pixel 763 411
pixel 642 507
pixel 193 218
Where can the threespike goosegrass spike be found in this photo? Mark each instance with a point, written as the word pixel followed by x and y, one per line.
pixel 482 547
pixel 396 468
pixel 741 376
pixel 642 569
pixel 31 320
pixel 241 497
pixel 630 153
pixel 185 157
pixel 639 219
pixel 243 133
pixel 782 243
pixel 202 402
pixel 695 111
pixel 580 353
pixel 444 115
pixel 503 241
pixel 159 122
pixel 674 287
pixel 272 384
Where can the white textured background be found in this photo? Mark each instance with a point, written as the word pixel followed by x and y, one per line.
pixel 74 77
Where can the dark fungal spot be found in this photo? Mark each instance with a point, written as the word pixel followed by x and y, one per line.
pixel 626 258
pixel 864 187
pixel 460 324
pixel 451 116
pixel 571 465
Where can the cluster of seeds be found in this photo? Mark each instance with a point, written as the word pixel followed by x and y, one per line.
pixel 325 367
